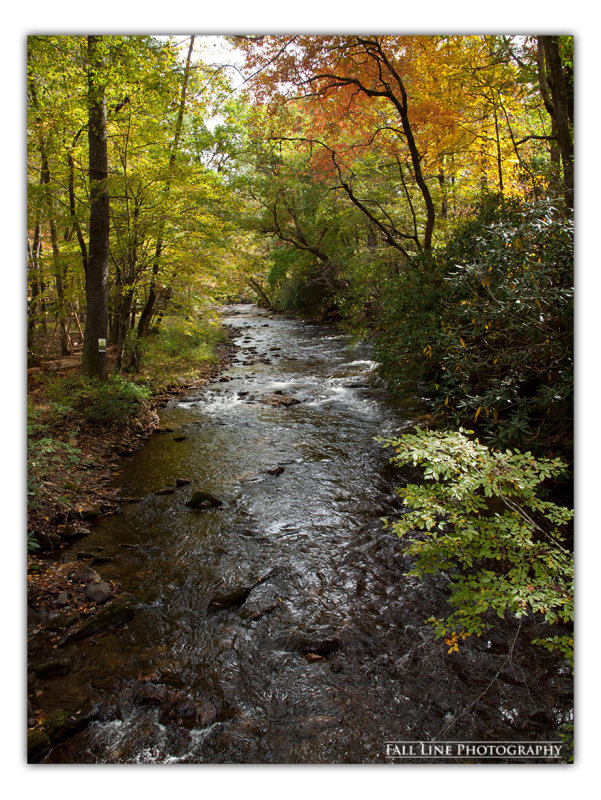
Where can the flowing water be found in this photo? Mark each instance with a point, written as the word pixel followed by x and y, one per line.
pixel 281 627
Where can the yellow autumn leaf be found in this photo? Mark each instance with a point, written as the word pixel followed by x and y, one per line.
pixel 462 342
pixel 476 415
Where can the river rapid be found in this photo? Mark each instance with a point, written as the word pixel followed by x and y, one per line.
pixel 281 626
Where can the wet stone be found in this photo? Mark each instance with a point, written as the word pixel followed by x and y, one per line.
pixel 204 500
pixel 57 666
pixel 84 574
pixel 38 744
pixel 114 613
pixel 62 621
pixel 98 592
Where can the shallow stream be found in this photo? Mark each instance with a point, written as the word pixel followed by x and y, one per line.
pixel 280 627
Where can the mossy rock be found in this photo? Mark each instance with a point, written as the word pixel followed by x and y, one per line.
pixel 62 621
pixel 38 744
pixel 58 725
pixel 114 613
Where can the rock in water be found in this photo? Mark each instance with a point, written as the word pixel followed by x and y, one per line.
pixel 114 613
pixel 38 744
pixel 230 600
pixel 275 470
pixel 279 400
pixel 98 592
pixel 57 666
pixel 204 500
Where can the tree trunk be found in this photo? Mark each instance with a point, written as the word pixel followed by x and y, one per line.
pixel 122 319
pixel 261 292
pixel 59 272
pixel 93 359
pixel 554 90
pixel 149 309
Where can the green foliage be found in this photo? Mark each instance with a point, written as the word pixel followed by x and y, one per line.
pixel 47 458
pixel 480 517
pixel 178 350
pixel 486 324
pixel 114 400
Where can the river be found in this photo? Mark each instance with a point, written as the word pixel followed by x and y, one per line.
pixel 281 626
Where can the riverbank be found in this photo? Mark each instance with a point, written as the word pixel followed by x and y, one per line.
pixel 66 600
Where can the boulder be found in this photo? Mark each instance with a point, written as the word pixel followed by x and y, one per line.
pixel 279 400
pixel 98 592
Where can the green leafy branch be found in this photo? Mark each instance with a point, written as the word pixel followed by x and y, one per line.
pixel 479 516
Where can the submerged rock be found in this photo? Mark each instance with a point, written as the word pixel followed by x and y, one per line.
pixel 72 532
pixel 229 600
pixel 235 598
pixel 57 666
pixel 204 500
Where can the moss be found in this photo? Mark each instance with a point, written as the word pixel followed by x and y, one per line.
pixel 38 743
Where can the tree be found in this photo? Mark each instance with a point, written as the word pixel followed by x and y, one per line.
pixel 556 96
pixel 345 79
pixel 149 309
pixel 94 354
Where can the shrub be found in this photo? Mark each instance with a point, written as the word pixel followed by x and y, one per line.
pixel 486 323
pixel 178 350
pixel 110 401
pixel 97 401
pixel 480 517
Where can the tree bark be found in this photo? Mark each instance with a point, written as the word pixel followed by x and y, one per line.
pixel 94 360
pixel 58 271
pixel 554 90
